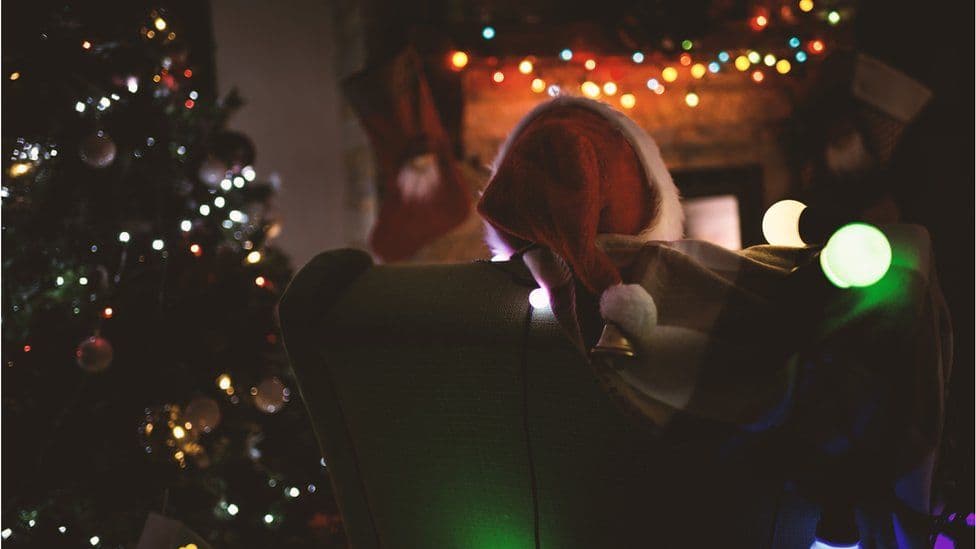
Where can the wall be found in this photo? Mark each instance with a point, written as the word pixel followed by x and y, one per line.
pixel 281 56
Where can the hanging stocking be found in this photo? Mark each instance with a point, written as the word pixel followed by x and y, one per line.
pixel 420 190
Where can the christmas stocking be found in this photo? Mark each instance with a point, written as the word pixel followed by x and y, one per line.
pixel 421 192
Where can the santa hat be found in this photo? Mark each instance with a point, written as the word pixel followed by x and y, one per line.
pixel 572 172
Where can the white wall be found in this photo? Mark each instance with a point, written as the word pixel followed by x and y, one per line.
pixel 281 56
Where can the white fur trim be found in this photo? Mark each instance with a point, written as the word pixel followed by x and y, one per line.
pixel 630 307
pixel 669 224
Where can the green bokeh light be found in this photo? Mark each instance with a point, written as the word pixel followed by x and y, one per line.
pixel 856 255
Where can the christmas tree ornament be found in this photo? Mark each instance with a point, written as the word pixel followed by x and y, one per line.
pixel 212 171
pixel 203 413
pixel 94 354
pixel 270 395
pixel 97 150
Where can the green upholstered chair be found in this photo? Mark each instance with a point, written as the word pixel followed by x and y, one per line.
pixel 453 415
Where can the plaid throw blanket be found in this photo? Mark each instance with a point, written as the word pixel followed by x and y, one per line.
pixel 851 380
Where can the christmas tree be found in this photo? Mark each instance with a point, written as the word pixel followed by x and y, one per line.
pixel 143 370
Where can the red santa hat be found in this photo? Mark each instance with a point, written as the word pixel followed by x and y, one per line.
pixel 572 172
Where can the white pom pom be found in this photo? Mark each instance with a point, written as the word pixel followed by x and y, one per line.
pixel 630 307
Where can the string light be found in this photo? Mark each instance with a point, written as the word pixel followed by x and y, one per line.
pixel 488 33
pixel 833 17
pixel 220 202
pixel 260 281
pixel 232 509
pixel 223 382
pixel 781 223
pixel 692 99
pixel 806 6
pixel 525 66
pixel 158 244
pixel 698 70
pixel 254 257
pixel 659 90
pixel 14 75
pixel 610 88
pixel 652 84
pixel 249 173
pixel 742 63
pixel 498 77
pixel 816 46
pixel 27 348
pixel 589 64
pixel 63 529
pixel 178 432
pixel 856 255
pixel 268 518
pixel 794 42
pixel 638 57
pixel 538 85
pixel 93 541
pixel 754 57
pixel 566 54
pixel 186 225
pixel 713 67
pixel 684 59
pixel 628 101
pixel 687 44
pixel 86 45
pixel 187 73
pixel 801 57
pixel 590 89
pixel 669 74
pixel 160 24
pixel 783 66
pixel 724 56
pixel 19 168
pixel 554 90
pixel 80 106
pixel 769 60
pixel 124 236
pixel 293 492
pixel 459 60
pixel 5 533
pixel 196 250
pixel 204 209
pixel 758 76
pixel 758 22
pixel 539 298
pixel 107 312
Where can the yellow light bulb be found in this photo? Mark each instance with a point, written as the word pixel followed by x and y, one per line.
pixel 742 63
pixel 783 66
pixel 14 75
pixel 178 432
pixel 160 24
pixel 254 257
pixel 669 74
pixel 19 168
pixel 692 99
pixel 806 5
pixel 459 60
pixel 223 382
pixel 525 67
pixel 628 101
pixel 590 89
pixel 781 223
pixel 590 64
pixel 538 85
pixel 610 88
pixel 698 70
